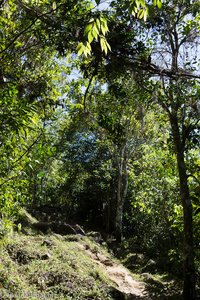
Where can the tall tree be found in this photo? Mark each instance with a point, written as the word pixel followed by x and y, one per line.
pixel 178 94
pixel 119 115
pixel 169 56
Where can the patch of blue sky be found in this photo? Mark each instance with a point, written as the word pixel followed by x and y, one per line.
pixel 103 4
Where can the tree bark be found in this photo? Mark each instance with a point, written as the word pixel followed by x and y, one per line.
pixel 189 292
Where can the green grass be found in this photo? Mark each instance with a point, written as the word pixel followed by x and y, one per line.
pixel 50 267
pixel 35 266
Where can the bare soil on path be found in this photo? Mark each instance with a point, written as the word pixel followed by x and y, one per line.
pixel 121 276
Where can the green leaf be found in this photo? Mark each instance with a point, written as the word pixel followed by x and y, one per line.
pixel 137 2
pixel 98 24
pixel 108 46
pixel 80 49
pixel 88 28
pixel 103 44
pixel 54 6
pixel 145 15
pixel 104 26
pixel 159 4
pixel 40 175
pixel 141 13
pixel 90 37
pixel 103 30
pixel 88 46
pixel 95 33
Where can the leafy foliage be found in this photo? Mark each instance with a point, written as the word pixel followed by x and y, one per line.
pixel 123 132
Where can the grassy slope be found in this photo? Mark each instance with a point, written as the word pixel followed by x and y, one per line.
pixel 38 266
pixel 50 267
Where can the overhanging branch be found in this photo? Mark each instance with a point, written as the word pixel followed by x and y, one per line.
pixel 136 64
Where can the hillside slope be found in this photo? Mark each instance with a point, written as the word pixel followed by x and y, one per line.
pixel 63 267
pixel 39 263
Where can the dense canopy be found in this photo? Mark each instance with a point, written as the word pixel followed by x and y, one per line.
pixel 99 118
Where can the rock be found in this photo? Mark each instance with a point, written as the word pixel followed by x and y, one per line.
pixel 48 243
pixel 108 262
pixel 45 256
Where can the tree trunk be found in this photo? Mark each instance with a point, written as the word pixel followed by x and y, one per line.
pixel 106 214
pixel 122 187
pixel 34 190
pixel 119 211
pixel 189 269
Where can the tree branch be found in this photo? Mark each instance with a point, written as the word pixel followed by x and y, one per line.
pixel 18 35
pixel 38 16
pixel 88 87
pixel 190 175
pixel 86 92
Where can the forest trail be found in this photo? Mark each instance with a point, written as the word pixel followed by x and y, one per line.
pixel 126 284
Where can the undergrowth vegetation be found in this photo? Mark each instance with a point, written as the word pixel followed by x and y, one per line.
pixel 50 267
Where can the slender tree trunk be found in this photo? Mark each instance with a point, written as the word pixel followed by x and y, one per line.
pixel 122 187
pixel 119 210
pixel 106 214
pixel 34 190
pixel 189 269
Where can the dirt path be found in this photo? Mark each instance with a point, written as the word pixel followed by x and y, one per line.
pixel 119 275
